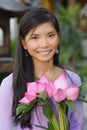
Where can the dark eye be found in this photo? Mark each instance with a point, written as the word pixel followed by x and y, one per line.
pixel 34 37
pixel 51 35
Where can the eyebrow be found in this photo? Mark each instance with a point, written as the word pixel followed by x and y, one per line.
pixel 51 32
pixel 38 34
pixel 34 34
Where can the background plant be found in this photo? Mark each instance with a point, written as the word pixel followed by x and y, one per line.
pixel 13 46
pixel 71 35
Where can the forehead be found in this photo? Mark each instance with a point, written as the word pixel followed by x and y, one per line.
pixel 44 27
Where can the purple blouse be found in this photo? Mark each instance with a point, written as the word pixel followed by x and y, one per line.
pixel 38 118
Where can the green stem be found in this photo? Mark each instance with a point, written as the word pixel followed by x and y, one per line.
pixel 62 117
pixel 55 123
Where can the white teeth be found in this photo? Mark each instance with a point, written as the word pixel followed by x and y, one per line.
pixel 44 52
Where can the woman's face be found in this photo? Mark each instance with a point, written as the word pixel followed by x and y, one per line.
pixel 42 42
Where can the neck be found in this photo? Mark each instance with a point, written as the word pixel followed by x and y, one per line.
pixel 46 68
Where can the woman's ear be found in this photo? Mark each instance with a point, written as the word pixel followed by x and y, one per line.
pixel 23 43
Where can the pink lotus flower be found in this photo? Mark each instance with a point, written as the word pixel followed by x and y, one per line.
pixel 24 100
pixel 59 95
pixel 44 79
pixel 61 82
pixel 59 90
pixel 72 93
pixel 32 86
pixel 40 87
pixel 30 95
pixel 50 89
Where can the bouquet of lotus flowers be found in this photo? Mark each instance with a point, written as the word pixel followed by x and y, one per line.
pixel 55 97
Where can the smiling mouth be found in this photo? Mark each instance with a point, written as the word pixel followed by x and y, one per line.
pixel 44 52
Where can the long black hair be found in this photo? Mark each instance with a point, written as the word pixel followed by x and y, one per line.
pixel 23 66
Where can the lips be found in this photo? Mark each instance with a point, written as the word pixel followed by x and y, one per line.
pixel 44 52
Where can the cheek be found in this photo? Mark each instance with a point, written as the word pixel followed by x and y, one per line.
pixel 55 44
pixel 31 47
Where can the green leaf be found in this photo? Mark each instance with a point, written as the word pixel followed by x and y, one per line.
pixel 47 110
pixel 50 126
pixel 42 95
pixel 20 108
pixel 71 105
pixel 82 100
pixel 63 106
pixel 23 108
pixel 83 89
pixel 36 78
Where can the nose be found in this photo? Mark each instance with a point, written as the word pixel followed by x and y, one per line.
pixel 44 43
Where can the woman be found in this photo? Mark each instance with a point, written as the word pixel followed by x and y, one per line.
pixel 37 53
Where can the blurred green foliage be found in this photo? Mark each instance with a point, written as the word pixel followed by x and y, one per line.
pixel 83 73
pixel 68 16
pixel 13 47
pixel 71 51
pixel 71 35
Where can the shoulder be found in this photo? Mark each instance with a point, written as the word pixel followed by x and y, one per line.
pixel 8 79
pixel 6 84
pixel 76 79
pixel 6 100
